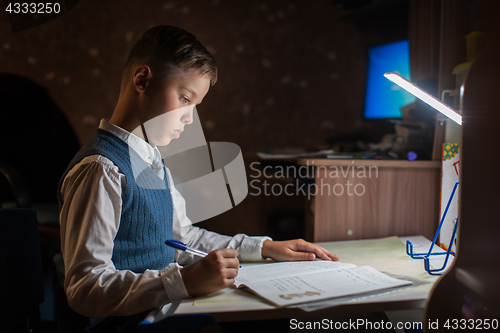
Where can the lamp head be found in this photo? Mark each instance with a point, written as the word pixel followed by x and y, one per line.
pixel 424 96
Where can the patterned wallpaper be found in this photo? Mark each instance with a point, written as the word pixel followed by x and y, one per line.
pixel 291 72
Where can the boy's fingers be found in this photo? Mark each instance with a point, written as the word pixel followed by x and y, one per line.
pixel 224 253
pixel 318 250
pixel 228 253
pixel 334 257
pixel 298 256
pixel 232 263
pixel 229 282
pixel 327 255
pixel 231 273
pixel 322 253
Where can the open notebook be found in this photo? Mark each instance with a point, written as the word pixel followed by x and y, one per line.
pixel 288 283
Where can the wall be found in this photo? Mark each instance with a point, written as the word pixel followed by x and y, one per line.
pixel 280 62
pixel 291 72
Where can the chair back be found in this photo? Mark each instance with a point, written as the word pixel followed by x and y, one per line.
pixel 21 277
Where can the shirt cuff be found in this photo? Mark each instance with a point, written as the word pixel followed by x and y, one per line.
pixel 251 248
pixel 173 283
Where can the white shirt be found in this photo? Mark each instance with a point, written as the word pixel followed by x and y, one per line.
pixel 90 217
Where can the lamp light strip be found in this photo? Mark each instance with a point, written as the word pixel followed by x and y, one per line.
pixel 424 96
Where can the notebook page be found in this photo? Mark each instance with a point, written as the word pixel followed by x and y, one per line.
pixel 284 269
pixel 322 285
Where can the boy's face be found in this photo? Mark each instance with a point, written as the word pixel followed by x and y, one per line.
pixel 170 104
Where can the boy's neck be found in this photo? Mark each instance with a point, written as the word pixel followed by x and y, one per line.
pixel 126 113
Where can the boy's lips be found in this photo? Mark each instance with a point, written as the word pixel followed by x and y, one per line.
pixel 177 133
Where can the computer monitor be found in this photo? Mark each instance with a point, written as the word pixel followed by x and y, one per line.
pixel 383 99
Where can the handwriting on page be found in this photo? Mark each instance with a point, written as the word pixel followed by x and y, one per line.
pixel 307 293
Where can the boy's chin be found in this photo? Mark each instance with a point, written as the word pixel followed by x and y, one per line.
pixel 163 142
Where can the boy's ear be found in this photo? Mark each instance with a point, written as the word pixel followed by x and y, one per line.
pixel 141 77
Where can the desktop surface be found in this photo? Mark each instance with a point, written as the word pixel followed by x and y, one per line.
pixel 386 255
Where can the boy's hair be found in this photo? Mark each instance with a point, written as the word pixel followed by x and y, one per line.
pixel 165 48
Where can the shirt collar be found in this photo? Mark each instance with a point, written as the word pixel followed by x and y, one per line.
pixel 141 147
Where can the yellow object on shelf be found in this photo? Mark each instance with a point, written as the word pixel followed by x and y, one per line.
pixel 476 42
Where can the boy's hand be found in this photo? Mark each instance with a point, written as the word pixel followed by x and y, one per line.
pixel 294 250
pixel 214 272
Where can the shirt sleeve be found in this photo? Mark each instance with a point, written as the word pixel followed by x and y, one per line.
pixel 248 248
pixel 90 217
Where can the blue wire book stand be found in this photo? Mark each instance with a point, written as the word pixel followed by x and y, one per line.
pixel 427 255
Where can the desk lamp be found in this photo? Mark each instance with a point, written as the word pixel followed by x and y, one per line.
pixel 424 96
pixel 469 290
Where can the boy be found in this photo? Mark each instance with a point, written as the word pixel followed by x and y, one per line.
pixel 119 203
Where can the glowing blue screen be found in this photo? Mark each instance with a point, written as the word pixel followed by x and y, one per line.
pixel 383 98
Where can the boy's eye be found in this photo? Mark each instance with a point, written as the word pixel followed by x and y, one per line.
pixel 185 100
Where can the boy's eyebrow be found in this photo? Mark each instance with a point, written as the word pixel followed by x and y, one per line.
pixel 190 90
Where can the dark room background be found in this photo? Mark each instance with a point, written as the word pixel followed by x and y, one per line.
pixel 291 73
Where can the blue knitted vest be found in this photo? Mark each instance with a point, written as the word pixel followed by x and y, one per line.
pixel 147 210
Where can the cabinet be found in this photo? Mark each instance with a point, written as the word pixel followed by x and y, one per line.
pixel 360 199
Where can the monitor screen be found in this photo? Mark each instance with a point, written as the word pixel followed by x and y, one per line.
pixel 383 99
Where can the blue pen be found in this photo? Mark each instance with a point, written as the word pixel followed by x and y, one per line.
pixel 183 247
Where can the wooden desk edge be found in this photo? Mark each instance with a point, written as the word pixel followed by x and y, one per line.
pixel 281 313
pixel 362 162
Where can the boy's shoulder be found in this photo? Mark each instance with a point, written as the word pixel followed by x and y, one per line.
pixel 94 164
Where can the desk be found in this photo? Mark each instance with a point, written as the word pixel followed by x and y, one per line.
pixel 387 255
pixel 362 199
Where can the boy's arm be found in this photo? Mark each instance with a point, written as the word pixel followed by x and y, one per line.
pixel 248 248
pixel 90 218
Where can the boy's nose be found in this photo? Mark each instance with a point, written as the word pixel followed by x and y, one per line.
pixel 187 118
